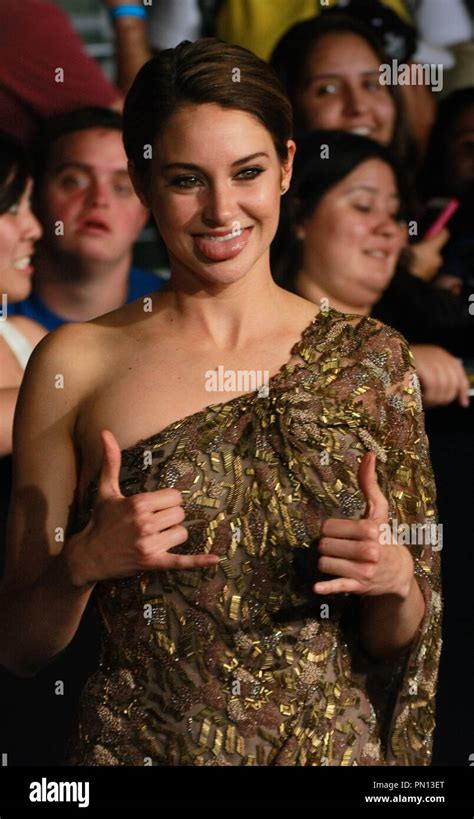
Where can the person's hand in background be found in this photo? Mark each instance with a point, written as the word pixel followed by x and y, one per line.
pixel 131 40
pixel 114 4
pixel 425 257
pixel 442 376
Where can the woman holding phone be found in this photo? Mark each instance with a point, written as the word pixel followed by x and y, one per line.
pixel 252 612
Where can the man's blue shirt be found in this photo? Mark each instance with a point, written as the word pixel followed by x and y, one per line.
pixel 141 283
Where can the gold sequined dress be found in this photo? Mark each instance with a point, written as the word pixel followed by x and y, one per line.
pixel 243 664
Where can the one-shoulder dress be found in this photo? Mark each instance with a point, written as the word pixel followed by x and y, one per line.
pixel 242 663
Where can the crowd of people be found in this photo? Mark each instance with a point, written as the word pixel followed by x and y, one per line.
pixel 299 204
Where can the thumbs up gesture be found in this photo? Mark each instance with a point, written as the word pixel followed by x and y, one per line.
pixel 351 551
pixel 128 535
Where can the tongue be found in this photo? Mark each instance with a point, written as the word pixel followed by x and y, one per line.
pixel 218 251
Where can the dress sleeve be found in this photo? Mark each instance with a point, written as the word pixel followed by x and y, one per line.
pixel 406 477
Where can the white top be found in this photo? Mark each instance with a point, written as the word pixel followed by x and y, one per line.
pixel 170 22
pixel 442 22
pixel 19 344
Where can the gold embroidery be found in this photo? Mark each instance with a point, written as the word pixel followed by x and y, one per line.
pixel 238 665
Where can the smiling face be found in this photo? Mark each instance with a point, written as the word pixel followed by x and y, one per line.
pixel 341 89
pixel 87 187
pixel 215 192
pixel 19 230
pixel 352 240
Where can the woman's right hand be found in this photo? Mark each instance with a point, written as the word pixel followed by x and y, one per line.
pixel 442 376
pixel 128 535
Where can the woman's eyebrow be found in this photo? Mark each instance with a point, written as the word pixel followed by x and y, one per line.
pixel 189 166
pixel 315 77
pixel 249 158
pixel 334 75
pixel 371 189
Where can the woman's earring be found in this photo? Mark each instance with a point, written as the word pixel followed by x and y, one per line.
pixel 283 189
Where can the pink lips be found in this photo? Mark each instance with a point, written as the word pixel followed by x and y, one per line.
pixel 94 227
pixel 220 249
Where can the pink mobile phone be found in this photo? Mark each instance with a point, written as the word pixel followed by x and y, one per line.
pixel 449 208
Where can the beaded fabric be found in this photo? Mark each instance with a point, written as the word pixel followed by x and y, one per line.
pixel 242 663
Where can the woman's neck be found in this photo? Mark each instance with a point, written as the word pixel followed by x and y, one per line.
pixel 225 313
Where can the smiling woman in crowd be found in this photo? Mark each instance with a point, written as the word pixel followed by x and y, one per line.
pixel 19 231
pixel 341 236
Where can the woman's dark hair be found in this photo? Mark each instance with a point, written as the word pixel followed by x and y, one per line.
pixel 205 71
pixel 322 159
pixel 435 178
pixel 14 172
pixel 290 57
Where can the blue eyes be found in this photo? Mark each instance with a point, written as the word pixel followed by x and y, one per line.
pixel 191 181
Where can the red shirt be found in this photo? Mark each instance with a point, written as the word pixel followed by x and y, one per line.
pixel 36 39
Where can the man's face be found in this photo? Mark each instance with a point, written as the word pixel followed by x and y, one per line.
pixel 86 187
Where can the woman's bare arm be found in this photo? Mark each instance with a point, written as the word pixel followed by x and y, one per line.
pixel 40 608
pixel 390 623
pixel 48 579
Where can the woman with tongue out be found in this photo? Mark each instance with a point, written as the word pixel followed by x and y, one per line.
pixel 232 541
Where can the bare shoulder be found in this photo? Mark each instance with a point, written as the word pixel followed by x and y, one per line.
pixel 129 314
pixel 296 308
pixel 59 344
pixel 66 356
pixel 81 343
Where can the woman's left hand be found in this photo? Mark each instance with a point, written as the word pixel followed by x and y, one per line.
pixel 352 551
